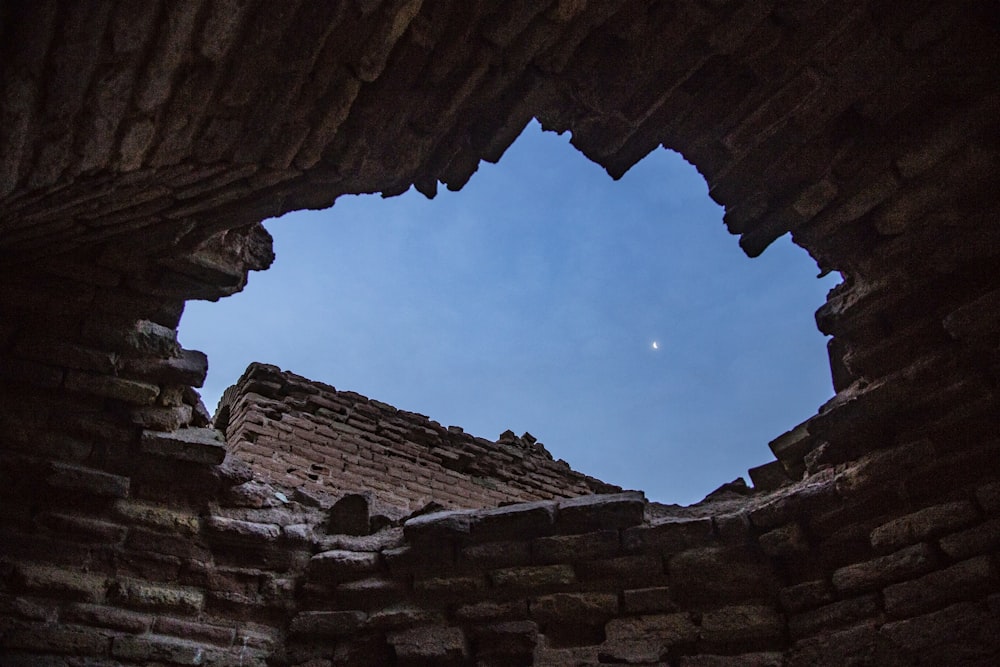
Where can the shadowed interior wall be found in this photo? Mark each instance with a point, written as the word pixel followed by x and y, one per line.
pixel 140 145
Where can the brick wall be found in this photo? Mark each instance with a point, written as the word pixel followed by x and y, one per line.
pixel 307 435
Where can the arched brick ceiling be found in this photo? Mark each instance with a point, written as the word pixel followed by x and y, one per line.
pixel 186 118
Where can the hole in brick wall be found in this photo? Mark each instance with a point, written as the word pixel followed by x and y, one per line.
pixel 531 300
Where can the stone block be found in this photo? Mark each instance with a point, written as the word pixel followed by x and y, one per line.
pixel 646 639
pixel 739 623
pixel 670 536
pixel 48 638
pixel 506 641
pixel 82 528
pixel 492 610
pixel 903 564
pixel 858 645
pixel 533 577
pixel 349 516
pixel 786 541
pixel 496 554
pixel 435 645
pixel 337 566
pixel 514 522
pixel 161 418
pixel 151 650
pixel 106 617
pixel 644 600
pixel 238 531
pixel 155 597
pixel 961 581
pixel 719 574
pixel 107 386
pixel 587 514
pixel 806 595
pixel 833 616
pixel 569 548
pixel 641 567
pixel 188 368
pixel 988 496
pixel 973 541
pixel 326 623
pixel 918 526
pixel 578 608
pixel 60 582
pixel 767 659
pixel 88 480
pixel 197 445
pixel 450 587
pixel 193 630
pixel 967 632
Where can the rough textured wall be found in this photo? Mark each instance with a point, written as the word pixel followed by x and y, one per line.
pixel 306 435
pixel 140 143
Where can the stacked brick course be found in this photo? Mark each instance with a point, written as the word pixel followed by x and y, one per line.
pixel 307 435
pixel 141 144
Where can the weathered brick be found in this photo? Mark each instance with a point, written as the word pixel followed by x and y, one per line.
pixel 640 600
pixel 586 514
pixel 805 595
pixel 962 581
pixel 337 566
pixel 326 623
pixel 586 608
pixel 534 577
pixel 903 564
pixel 833 616
pixel 61 582
pixel 106 617
pixel 669 537
pixel 737 623
pixel 157 650
pixel 144 595
pixel 53 638
pixel 971 542
pixel 444 644
pixel 646 638
pixel 567 548
pixel 715 574
pixel 928 522
pixel 88 480
pixel 239 531
pixel 197 445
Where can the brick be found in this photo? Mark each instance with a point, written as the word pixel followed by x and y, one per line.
pixel 586 514
pixel 961 581
pixel 533 577
pixel 644 600
pixel 585 608
pixel 88 480
pixel 337 566
pixel 157 650
pixel 646 638
pixel 622 569
pixel 60 582
pixel 971 542
pixel 737 623
pixel 128 391
pixel 201 632
pixel 106 617
pixel 196 445
pixel 239 531
pixel 143 595
pixel 568 548
pixel 786 541
pixel 918 526
pixel 52 638
pixel 443 644
pixel 903 564
pixel 669 537
pixel 805 595
pixel 717 574
pixel 833 616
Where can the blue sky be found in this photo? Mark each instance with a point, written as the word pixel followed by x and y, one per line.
pixel 530 300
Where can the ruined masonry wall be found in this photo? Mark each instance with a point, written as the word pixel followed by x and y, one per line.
pixel 306 435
